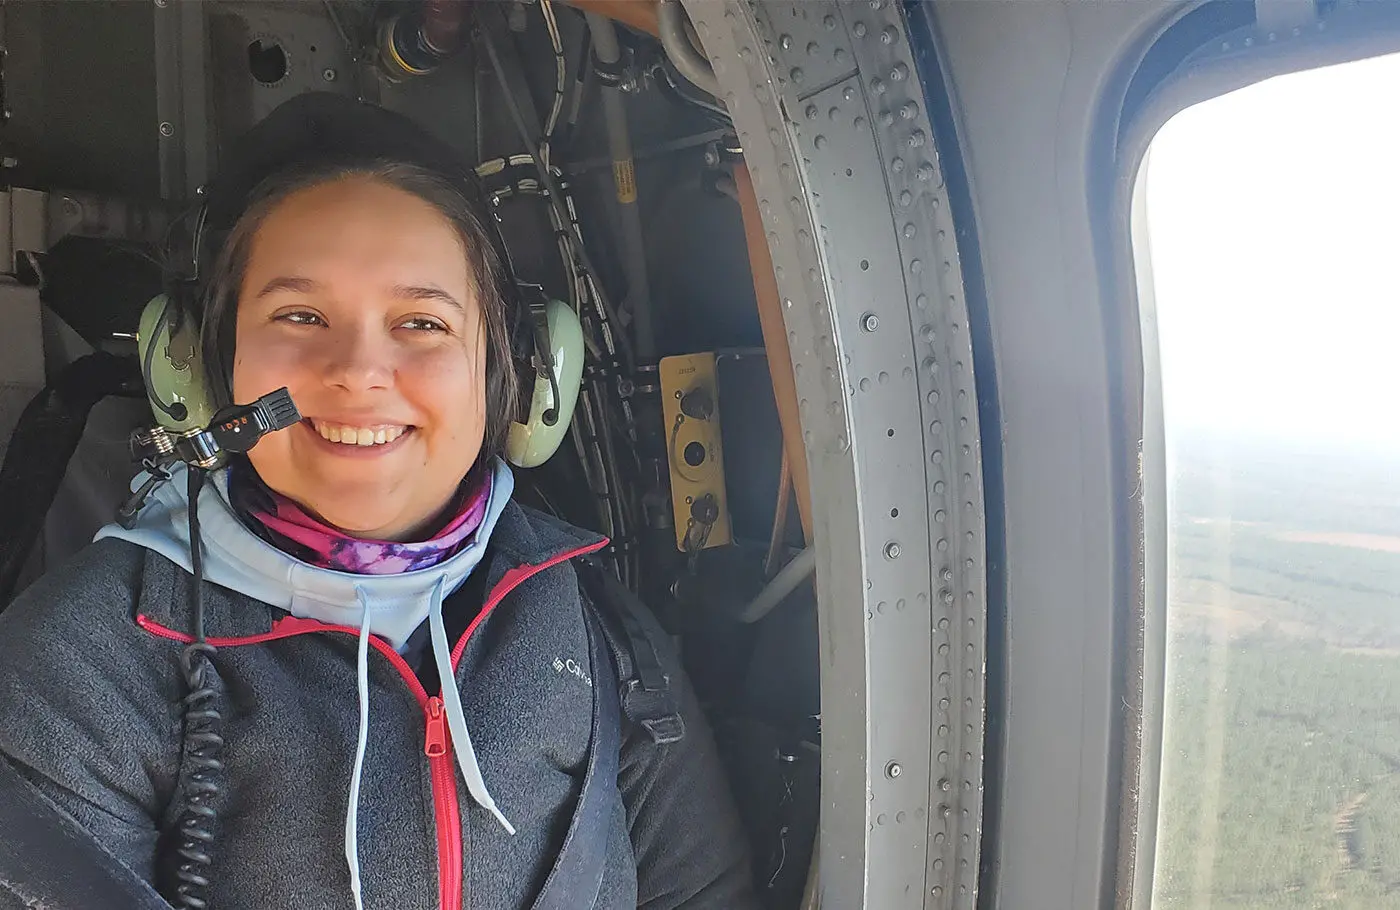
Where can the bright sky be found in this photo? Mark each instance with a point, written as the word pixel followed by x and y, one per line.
pixel 1274 215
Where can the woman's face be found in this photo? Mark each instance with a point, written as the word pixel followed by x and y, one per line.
pixel 358 297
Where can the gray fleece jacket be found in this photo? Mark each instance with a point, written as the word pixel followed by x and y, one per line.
pixel 89 692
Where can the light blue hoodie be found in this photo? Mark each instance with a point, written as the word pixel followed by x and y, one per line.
pixel 390 606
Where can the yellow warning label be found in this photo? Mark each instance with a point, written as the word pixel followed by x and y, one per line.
pixel 625 178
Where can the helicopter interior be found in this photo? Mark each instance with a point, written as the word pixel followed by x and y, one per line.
pixel 867 409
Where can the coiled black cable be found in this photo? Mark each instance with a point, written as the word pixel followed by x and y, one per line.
pixel 203 744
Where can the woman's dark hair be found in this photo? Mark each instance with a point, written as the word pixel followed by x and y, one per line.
pixel 225 280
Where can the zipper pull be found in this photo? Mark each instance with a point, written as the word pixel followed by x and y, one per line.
pixel 436 743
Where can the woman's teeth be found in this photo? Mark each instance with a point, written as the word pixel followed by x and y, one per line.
pixel 358 436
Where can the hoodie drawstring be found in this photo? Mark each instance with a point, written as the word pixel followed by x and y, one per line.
pixel 352 812
pixel 456 718
pixel 456 723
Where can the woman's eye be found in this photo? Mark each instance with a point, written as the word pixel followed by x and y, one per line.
pixel 301 317
pixel 423 324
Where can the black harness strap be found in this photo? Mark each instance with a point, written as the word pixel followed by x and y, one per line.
pixel 577 876
pixel 648 698
pixel 55 863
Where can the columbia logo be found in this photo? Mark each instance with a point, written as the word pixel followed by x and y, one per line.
pixel 571 667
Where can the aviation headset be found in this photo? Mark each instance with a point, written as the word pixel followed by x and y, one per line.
pixel 546 336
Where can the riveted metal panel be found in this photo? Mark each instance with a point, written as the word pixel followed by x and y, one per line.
pixel 865 256
pixel 315 54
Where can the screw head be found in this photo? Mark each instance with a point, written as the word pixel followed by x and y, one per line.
pixel 870 322
pixel 893 770
pixel 167 129
pixel 892 550
pixel 329 74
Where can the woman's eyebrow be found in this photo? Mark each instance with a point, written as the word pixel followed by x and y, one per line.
pixel 425 292
pixel 299 285
pixel 293 283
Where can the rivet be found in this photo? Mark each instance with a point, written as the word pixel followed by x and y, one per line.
pixel 829 22
pixel 886 119
pixel 909 110
pixel 947 597
pixel 899 72
pixel 328 74
pixel 167 129
pixel 888 35
pixel 849 94
pixel 926 333
pixel 859 29
pixel 786 42
pixel 906 198
pixel 870 322
pixel 797 74
pixel 811 112
pixel 921 301
pixel 834 113
pixel 946 574
pixel 917 139
pixel 813 48
pixel 840 55
pixel 909 230
pixel 897 165
pixel 877 85
pixel 892 550
pixel 820 142
pixel 858 123
pixel 893 770
pixel 926 171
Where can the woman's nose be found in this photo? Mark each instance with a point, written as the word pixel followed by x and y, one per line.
pixel 358 360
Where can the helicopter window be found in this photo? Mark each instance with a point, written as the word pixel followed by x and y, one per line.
pixel 1271 218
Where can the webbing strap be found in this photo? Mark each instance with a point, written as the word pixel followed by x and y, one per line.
pixel 48 860
pixel 648 698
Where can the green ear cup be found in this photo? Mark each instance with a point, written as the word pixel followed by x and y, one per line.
pixel 530 444
pixel 171 369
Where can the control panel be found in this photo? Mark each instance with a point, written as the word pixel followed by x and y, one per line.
pixel 695 452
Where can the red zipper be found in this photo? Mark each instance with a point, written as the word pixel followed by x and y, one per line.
pixel 447 813
pixel 437 738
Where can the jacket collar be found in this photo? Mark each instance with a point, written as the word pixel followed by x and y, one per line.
pixel 523 538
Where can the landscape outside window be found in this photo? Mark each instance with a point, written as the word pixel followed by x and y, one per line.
pixel 1273 216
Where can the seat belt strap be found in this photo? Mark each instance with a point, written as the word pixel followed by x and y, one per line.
pixel 48 860
pixel 648 698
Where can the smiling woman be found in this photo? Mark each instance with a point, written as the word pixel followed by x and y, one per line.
pixel 360 272
pixel 357 290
